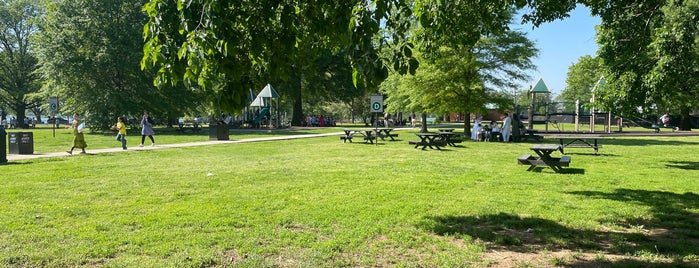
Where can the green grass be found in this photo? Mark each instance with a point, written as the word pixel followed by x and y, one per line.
pixel 321 203
pixel 46 140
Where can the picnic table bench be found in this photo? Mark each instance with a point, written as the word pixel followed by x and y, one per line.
pixel 544 158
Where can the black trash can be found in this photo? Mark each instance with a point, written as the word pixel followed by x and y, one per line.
pixel 218 132
pixel 21 142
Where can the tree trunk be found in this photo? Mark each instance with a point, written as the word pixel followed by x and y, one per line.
pixel 21 109
pixel 685 120
pixel 467 125
pixel 297 112
pixel 423 128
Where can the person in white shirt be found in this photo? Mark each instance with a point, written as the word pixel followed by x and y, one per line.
pixel 506 128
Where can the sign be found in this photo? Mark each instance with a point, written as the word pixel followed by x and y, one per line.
pixel 376 103
pixel 53 104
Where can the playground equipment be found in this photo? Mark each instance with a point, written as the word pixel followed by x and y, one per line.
pixel 556 113
pixel 267 106
pixel 537 108
pixel 261 115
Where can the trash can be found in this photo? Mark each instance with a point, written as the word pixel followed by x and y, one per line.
pixel 21 142
pixel 218 132
pixel 3 145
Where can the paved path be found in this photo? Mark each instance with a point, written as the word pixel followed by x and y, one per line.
pixel 15 157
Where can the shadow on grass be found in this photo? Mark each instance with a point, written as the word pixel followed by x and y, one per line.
pixel 8 163
pixel 568 152
pixel 643 142
pixel 671 230
pixel 687 165
pixel 563 171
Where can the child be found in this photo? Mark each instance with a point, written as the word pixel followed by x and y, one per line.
pixel 121 136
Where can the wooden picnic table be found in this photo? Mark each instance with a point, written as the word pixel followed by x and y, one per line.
pixel 350 134
pixel 446 137
pixel 428 140
pixel 385 132
pixel 579 141
pixel 544 158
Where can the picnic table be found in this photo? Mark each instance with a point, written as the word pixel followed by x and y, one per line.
pixel 367 135
pixel 350 134
pixel 581 141
pixel 385 132
pixel 532 133
pixel 184 126
pixel 544 158
pixel 428 140
pixel 447 137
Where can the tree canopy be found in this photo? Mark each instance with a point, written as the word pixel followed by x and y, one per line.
pixel 18 80
pixel 581 78
pixel 465 80
pixel 651 51
pixel 204 42
pixel 90 52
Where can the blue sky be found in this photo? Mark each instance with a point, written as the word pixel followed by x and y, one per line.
pixel 561 43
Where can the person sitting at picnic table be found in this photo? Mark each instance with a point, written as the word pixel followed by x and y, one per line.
pixel 494 131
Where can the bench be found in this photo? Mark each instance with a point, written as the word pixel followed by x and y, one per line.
pixel 346 138
pixel 582 146
pixel 564 161
pixel 524 159
pixel 533 161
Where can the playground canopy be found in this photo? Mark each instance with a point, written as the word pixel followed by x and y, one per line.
pixel 268 92
pixel 264 101
pixel 540 87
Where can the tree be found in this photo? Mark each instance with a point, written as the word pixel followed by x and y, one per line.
pixel 465 80
pixel 203 42
pixel 650 50
pixel 17 62
pixel 581 78
pixel 90 53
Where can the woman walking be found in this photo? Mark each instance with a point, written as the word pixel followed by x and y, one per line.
pixel 78 139
pixel 147 130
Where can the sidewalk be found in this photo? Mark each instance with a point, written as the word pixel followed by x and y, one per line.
pixel 15 157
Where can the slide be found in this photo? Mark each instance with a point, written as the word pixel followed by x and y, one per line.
pixel 261 115
pixel 644 123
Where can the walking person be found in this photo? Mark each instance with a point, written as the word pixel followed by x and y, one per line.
pixel 121 135
pixel 506 127
pixel 147 130
pixel 78 139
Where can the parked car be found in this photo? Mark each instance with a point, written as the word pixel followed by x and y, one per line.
pixel 60 120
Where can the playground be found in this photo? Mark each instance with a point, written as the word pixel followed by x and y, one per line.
pixel 582 116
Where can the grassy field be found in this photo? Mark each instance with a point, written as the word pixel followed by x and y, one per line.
pixel 320 203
